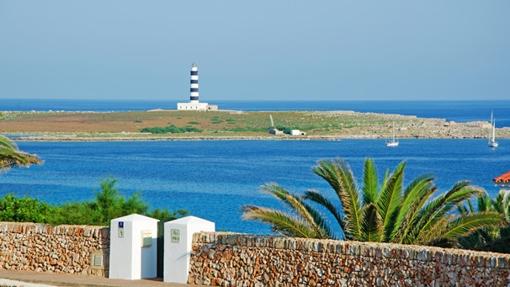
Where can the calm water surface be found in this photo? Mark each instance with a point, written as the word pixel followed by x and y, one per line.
pixel 213 179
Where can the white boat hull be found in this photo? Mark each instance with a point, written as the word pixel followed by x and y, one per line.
pixel 493 144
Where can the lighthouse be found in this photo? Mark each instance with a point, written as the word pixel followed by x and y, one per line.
pixel 193 90
pixel 194 103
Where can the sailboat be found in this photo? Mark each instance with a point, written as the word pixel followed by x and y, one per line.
pixel 393 142
pixel 492 139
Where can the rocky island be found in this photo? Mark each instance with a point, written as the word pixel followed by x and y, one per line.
pixel 175 125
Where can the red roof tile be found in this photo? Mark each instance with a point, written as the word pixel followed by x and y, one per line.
pixel 504 178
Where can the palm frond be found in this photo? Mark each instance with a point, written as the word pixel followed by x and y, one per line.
pixel 484 202
pixel 471 208
pixel 292 201
pixel 370 182
pixel 371 224
pixel 463 209
pixel 407 235
pixel 339 175
pixel 307 213
pixel 465 225
pixel 386 177
pixel 281 222
pixel 318 198
pixel 390 198
pixel 441 205
pixel 431 235
pixel 11 156
pixel 502 203
pixel 320 224
pixel 415 197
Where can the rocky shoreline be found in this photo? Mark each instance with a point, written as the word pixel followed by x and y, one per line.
pixel 229 138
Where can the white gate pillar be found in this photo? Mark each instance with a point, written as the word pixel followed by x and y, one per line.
pixel 177 249
pixel 133 247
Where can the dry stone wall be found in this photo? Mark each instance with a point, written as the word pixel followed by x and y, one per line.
pixel 59 249
pixel 224 259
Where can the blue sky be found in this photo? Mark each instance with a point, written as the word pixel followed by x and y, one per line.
pixel 256 50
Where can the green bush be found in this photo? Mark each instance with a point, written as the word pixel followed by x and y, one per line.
pixel 245 129
pixel 108 204
pixel 24 209
pixel 216 120
pixel 171 129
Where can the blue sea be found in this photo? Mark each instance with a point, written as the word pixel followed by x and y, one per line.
pixel 214 179
pixel 460 111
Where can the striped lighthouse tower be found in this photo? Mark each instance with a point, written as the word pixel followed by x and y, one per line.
pixel 194 104
pixel 194 94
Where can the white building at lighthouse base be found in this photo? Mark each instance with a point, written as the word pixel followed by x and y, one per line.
pixel 196 106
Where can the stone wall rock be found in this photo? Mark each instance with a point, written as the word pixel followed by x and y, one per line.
pixel 60 249
pixel 225 259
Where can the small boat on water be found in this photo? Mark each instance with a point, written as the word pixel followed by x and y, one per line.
pixel 492 138
pixel 393 142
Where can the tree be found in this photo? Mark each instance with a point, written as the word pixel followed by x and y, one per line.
pixel 109 203
pixel 380 211
pixel 493 238
pixel 11 156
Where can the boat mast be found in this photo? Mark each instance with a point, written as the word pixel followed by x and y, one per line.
pixel 493 139
pixel 394 136
pixel 492 125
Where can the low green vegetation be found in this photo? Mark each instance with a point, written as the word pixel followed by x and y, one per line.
pixel 216 120
pixel 245 129
pixel 218 123
pixel 379 211
pixel 171 129
pixel 107 204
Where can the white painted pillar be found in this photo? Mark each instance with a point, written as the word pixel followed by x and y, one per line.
pixel 133 247
pixel 177 249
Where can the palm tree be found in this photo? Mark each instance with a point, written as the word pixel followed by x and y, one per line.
pixel 494 238
pixel 11 156
pixel 502 204
pixel 381 212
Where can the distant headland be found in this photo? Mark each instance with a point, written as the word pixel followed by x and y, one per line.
pixel 234 125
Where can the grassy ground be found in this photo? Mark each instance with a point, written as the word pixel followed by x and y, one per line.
pixel 233 124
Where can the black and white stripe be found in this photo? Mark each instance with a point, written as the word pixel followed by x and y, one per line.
pixel 194 94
